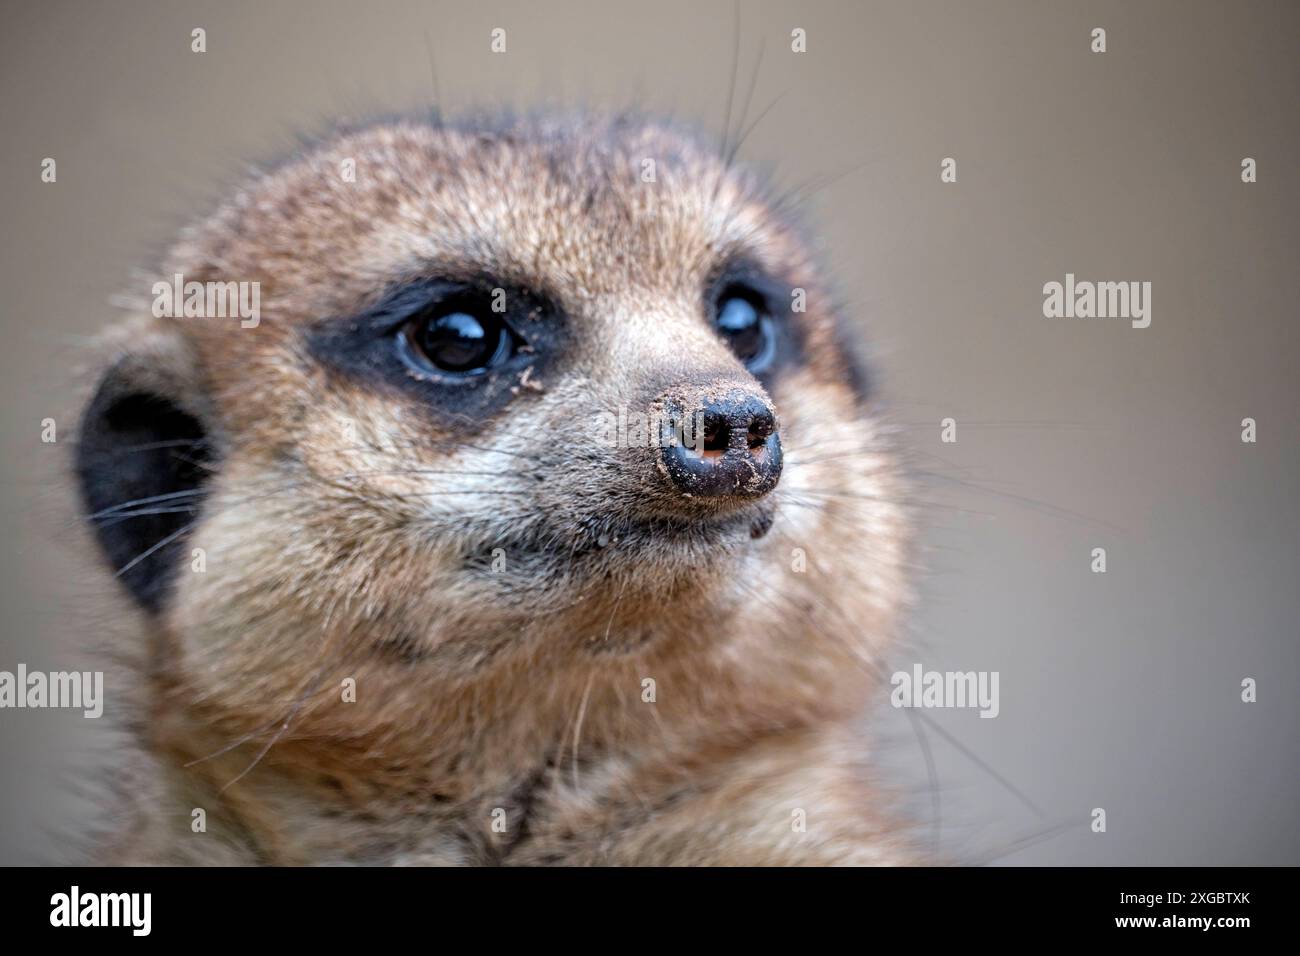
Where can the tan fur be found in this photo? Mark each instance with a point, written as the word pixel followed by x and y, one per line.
pixel 519 692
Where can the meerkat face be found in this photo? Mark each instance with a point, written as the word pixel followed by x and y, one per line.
pixel 540 393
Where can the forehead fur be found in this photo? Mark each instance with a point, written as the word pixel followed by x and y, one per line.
pixel 579 210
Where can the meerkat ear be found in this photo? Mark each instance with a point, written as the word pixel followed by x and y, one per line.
pixel 142 457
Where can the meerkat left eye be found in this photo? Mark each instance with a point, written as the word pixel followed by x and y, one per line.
pixel 458 340
pixel 743 320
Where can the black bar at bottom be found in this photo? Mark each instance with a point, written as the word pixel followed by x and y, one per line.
pixel 333 906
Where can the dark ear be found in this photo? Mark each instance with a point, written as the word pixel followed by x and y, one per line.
pixel 141 462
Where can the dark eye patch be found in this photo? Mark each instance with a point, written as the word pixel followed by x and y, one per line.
pixel 373 348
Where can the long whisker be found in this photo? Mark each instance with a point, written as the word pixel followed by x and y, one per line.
pixel 1025 842
pixel 932 776
pixel 161 544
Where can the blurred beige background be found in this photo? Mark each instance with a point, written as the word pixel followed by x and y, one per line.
pixel 1118 690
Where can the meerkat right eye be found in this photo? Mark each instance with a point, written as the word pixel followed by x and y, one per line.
pixel 743 320
pixel 458 339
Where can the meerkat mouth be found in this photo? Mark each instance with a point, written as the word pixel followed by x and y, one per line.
pixel 707 530
pixel 608 539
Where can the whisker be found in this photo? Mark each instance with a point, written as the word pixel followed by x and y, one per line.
pixel 1025 842
pixel 932 776
pixel 161 544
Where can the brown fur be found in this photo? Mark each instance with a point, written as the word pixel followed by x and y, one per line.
pixel 518 692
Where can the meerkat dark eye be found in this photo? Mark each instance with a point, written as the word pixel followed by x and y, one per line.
pixel 743 320
pixel 458 340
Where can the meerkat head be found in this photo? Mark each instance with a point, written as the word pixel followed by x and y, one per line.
pixel 536 396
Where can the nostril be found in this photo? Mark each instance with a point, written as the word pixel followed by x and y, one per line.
pixel 717 433
pixel 760 428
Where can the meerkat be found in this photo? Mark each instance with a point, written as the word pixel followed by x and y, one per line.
pixel 402 601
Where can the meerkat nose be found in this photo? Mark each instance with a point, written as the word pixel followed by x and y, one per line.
pixel 730 447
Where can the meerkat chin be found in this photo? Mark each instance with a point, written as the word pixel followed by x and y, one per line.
pixel 540 515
